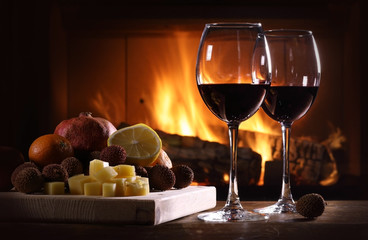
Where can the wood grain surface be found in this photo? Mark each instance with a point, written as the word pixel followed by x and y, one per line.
pixel 152 209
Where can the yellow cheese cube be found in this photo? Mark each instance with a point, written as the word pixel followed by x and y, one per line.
pixel 76 183
pixel 120 186
pixel 124 170
pixel 108 189
pixel 142 180
pixel 93 189
pixel 96 165
pixel 54 188
pixel 105 174
pixel 137 187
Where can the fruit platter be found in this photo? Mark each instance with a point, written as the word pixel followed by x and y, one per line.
pixel 87 171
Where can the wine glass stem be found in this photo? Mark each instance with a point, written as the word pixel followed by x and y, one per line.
pixel 286 190
pixel 233 200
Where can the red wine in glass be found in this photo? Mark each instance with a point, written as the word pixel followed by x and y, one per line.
pixel 296 74
pixel 288 103
pixel 233 102
pixel 232 75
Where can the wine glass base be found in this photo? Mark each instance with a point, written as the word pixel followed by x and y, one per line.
pixel 227 214
pixel 279 207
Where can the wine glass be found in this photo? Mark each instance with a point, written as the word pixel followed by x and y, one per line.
pixel 233 89
pixel 296 73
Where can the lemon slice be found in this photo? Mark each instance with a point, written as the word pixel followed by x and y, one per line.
pixel 141 143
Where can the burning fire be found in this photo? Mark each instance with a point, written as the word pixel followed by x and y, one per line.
pixel 177 107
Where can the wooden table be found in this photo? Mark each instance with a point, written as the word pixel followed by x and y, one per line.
pixel 341 220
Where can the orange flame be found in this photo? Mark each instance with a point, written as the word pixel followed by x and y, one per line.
pixel 262 127
pixel 179 109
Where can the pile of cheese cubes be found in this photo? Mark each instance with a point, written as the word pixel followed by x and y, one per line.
pixel 107 181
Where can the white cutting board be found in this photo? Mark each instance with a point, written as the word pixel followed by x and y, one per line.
pixel 153 209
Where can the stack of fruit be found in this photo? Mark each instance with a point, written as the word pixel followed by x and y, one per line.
pixel 87 155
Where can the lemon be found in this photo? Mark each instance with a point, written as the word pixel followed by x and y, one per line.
pixel 141 143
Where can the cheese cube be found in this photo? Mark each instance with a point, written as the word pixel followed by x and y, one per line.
pixel 93 189
pixel 105 174
pixel 142 180
pixel 108 189
pixel 76 183
pixel 124 170
pixel 120 186
pixel 137 187
pixel 54 188
pixel 96 165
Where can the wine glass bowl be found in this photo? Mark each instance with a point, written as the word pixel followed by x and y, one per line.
pixel 233 75
pixel 296 74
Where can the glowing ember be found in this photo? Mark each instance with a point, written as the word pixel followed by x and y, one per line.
pixel 199 183
pixel 226 177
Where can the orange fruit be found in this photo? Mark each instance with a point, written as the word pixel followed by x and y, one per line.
pixel 50 148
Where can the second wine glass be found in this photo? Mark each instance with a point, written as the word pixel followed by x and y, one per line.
pixel 296 73
pixel 233 89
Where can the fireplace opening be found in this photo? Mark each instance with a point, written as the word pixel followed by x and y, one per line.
pixel 135 63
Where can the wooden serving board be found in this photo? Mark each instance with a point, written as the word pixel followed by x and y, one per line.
pixel 153 209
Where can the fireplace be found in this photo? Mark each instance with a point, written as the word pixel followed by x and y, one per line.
pixel 135 63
